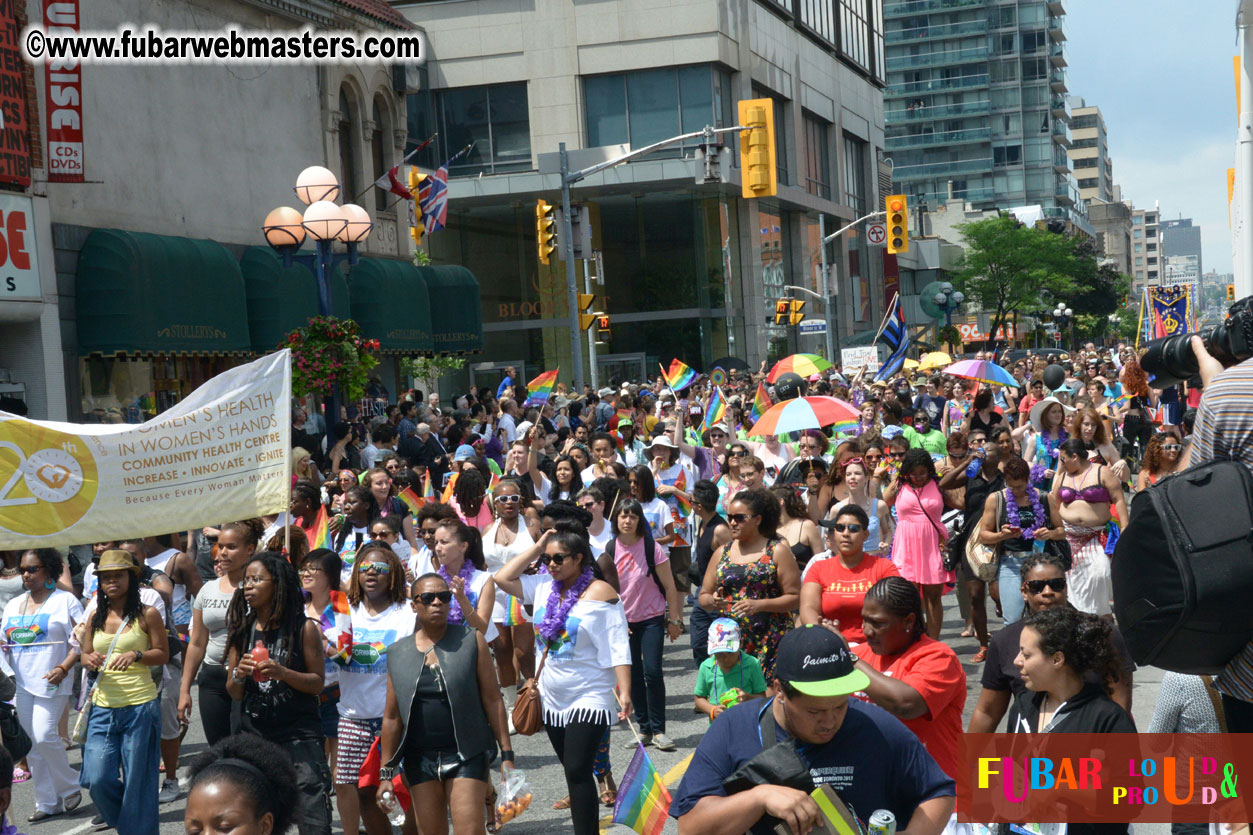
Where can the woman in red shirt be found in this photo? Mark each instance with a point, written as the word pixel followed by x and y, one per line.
pixel 912 676
pixel 835 582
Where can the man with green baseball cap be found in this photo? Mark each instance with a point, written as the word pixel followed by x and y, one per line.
pixel 860 750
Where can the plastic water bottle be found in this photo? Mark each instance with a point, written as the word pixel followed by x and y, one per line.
pixel 391 803
pixel 260 653
pixel 972 469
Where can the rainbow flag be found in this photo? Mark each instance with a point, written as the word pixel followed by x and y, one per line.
pixel 848 427
pixel 643 801
pixel 680 375
pixel 515 614
pixel 540 388
pixel 338 615
pixel 428 492
pixel 715 410
pixel 321 534
pixel 452 483
pixel 761 403
pixel 683 505
pixel 411 499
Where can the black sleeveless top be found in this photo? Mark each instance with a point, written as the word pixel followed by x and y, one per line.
pixel 274 710
pixel 704 546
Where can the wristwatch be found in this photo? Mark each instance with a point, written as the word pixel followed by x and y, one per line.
pixel 387 772
pixel 674 622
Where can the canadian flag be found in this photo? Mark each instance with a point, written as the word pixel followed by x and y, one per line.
pixel 391 181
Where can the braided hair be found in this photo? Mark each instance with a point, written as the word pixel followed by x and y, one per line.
pixel 899 598
pixel 287 609
pixel 470 492
pixel 1083 639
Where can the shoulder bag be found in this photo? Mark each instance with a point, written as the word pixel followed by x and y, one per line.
pixel 528 709
pixel 984 559
pixel 80 725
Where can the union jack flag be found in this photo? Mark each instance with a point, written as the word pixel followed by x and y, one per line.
pixel 433 195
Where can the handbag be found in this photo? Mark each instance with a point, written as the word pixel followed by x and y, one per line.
pixel 80 725
pixel 984 559
pixel 16 740
pixel 528 710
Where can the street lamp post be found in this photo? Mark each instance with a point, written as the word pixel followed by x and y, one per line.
pixel 326 222
pixel 948 300
pixel 1063 315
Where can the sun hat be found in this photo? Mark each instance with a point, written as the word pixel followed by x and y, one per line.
pixel 817 662
pixel 724 636
pixel 1037 411
pixel 662 440
pixel 117 560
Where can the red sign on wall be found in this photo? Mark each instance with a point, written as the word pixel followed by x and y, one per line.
pixel 63 99
pixel 14 135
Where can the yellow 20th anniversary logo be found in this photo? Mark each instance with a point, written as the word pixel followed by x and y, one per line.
pixel 48 479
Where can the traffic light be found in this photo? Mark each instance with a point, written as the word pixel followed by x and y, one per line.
pixel 602 328
pixel 796 310
pixel 782 311
pixel 1231 292
pixel 585 304
pixel 545 229
pixel 759 172
pixel 897 206
pixel 418 228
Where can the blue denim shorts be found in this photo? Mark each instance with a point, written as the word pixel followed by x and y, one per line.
pixel 330 711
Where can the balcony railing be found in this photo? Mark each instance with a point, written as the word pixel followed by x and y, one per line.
pixel 911 7
pixel 1057 28
pixel 1059 107
pixel 936 85
pixel 1061 133
pixel 941 169
pixel 905 115
pixel 938 31
pixel 970 195
pixel 953 137
pixel 1057 54
pixel 939 58
pixel 1057 80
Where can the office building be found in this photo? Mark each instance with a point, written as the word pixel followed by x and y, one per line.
pixel 1146 247
pixel 1112 222
pixel 688 269
pixel 1181 238
pixel 1089 152
pixel 976 106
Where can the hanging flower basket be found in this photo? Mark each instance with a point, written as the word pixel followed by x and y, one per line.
pixel 329 354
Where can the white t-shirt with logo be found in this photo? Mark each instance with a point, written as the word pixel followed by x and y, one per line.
pixel 38 640
pixel 363 681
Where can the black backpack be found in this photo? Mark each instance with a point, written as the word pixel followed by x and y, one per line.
pixel 1183 569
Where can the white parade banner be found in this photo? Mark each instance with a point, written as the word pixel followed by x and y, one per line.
pixel 219 455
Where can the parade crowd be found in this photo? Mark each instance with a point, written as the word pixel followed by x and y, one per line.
pixel 363 635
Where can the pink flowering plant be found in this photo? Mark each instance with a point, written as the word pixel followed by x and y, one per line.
pixel 329 354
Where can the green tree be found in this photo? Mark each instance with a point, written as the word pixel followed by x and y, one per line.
pixel 1007 266
pixel 428 370
pixel 1099 288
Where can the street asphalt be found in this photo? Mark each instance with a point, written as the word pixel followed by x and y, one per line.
pixel 536 757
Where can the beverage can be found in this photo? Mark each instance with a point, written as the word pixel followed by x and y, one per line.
pixel 882 822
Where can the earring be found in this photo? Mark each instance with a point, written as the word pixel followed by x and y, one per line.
pixel 49 585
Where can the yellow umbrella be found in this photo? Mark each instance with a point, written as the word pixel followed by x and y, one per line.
pixel 911 363
pixel 934 360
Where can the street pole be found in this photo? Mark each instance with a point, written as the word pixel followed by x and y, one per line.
pixel 829 314
pixel 572 290
pixel 323 266
pixel 591 337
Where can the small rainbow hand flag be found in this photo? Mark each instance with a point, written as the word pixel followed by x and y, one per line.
pixel 338 615
pixel 515 614
pixel 321 534
pixel 428 492
pixel 715 409
pixel 411 499
pixel 452 483
pixel 680 375
pixel 540 388
pixel 848 427
pixel 761 403
pixel 643 801
pixel 683 505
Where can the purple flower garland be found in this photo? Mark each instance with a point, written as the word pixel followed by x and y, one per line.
pixel 560 602
pixel 1040 519
pixel 455 615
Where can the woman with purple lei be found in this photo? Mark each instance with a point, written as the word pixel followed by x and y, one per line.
pixel 459 560
pixel 582 643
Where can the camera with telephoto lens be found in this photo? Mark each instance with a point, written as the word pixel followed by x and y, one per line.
pixel 1170 359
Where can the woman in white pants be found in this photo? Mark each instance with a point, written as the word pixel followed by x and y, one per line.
pixel 38 627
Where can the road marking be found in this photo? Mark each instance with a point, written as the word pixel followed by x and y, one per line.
pixel 82 827
pixel 669 779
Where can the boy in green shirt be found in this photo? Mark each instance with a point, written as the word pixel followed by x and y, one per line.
pixel 728 676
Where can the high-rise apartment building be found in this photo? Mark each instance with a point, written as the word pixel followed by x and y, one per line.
pixel 1146 247
pixel 1181 238
pixel 975 106
pixel 1089 151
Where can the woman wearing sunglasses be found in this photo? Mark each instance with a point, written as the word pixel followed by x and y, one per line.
pixel 319 581
pixel 376 593
pixel 444 717
pixel 515 530
pixel 1161 459
pixel 857 479
pixel 582 644
pixel 835 582
pixel 1043 587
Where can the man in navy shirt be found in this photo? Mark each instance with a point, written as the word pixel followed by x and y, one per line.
pixel 864 753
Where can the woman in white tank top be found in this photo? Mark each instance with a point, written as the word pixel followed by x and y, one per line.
pixel 513 532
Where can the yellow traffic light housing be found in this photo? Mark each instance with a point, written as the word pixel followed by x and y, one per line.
pixel 1231 292
pixel 796 311
pixel 897 207
pixel 782 311
pixel 585 304
pixel 545 230
pixel 758 171
pixel 419 228
pixel 603 333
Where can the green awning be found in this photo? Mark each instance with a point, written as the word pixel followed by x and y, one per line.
pixel 144 294
pixel 458 317
pixel 281 299
pixel 390 304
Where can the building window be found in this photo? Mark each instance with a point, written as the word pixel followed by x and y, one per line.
pixel 817 157
pixel 349 118
pixel 856 33
pixel 856 192
pixel 378 153
pixel 1010 155
pixel 494 122
pixel 1033 41
pixel 644 107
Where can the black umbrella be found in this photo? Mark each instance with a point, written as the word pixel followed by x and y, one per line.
pixel 727 363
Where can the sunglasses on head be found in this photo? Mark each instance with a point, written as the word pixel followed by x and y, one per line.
pixel 851 527
pixel 429 597
pixel 556 559
pixel 1038 586
pixel 376 568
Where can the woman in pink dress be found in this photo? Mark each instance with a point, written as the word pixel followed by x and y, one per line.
pixel 920 535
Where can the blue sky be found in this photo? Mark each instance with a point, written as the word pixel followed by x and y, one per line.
pixel 1161 73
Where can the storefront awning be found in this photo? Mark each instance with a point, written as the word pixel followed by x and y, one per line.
pixel 390 304
pixel 457 309
pixel 281 299
pixel 144 294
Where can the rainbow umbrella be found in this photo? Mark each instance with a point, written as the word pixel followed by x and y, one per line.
pixel 805 365
pixel 982 371
pixel 934 360
pixel 804 413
